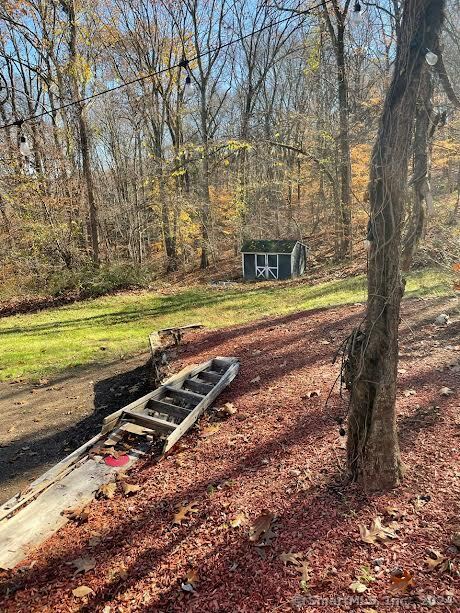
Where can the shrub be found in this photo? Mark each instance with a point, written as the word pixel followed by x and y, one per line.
pixel 90 282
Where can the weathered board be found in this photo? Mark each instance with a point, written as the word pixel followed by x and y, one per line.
pixel 29 518
pixel 37 521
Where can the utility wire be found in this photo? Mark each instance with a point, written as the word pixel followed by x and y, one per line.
pixel 182 64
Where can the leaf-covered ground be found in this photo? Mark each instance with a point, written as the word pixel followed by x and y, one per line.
pixel 184 541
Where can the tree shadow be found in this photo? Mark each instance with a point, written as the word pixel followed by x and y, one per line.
pixel 28 454
pixel 155 511
pixel 310 515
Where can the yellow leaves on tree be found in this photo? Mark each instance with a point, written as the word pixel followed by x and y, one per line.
pixel 80 70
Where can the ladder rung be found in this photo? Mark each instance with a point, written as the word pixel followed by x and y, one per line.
pixel 199 386
pixel 168 408
pixel 220 365
pixel 151 422
pixel 210 375
pixel 181 393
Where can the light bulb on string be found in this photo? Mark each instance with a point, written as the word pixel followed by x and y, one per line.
pixel 24 147
pixel 431 58
pixel 189 90
pixel 356 15
pixel 188 86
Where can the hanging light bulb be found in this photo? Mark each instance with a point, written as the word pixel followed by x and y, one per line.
pixel 431 58
pixel 24 146
pixel 189 90
pixel 188 87
pixel 356 15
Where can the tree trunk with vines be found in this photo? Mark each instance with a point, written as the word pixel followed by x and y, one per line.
pixel 372 446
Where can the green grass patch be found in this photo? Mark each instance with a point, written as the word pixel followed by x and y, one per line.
pixel 52 341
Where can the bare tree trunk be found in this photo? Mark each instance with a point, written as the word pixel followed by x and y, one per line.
pixel 337 36
pixel 204 185
pixel 344 147
pixel 84 141
pixel 372 446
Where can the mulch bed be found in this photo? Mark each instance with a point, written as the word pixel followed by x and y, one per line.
pixel 280 453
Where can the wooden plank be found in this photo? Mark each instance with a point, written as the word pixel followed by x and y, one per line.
pixel 43 516
pixel 220 363
pixel 47 479
pixel 166 407
pixel 226 379
pixel 187 327
pixel 181 393
pixel 155 423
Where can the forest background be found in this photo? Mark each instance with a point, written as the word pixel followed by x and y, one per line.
pixel 228 120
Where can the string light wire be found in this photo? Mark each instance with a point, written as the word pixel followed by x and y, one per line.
pixel 182 64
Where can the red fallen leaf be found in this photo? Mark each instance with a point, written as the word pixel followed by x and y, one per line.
pixel 120 461
pixel 402 583
pixel 260 532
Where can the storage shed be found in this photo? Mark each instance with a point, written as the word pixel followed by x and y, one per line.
pixel 273 259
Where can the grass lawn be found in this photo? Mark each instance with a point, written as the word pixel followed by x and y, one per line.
pixel 52 341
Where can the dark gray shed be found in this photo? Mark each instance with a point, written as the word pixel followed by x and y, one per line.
pixel 273 259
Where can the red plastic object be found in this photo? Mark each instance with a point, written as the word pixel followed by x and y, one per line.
pixel 121 461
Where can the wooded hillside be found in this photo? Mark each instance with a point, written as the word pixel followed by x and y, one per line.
pixel 226 121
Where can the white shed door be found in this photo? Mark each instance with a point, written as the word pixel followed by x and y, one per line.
pixel 266 265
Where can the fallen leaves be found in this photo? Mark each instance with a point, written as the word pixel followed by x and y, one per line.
pixel 261 533
pixel 401 582
pixel 376 533
pixel 238 520
pixel 394 512
pixel 436 560
pixel 357 587
pixel 292 558
pixel 95 539
pixel 185 512
pixel 191 581
pixel 228 409
pixel 300 564
pixel 79 515
pixel 421 500
pixel 82 565
pixel 107 490
pixel 82 591
pixel 109 451
pixel 129 488
pixel 311 394
pixel 209 430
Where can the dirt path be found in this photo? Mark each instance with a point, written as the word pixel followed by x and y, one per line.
pixel 282 453
pixel 41 424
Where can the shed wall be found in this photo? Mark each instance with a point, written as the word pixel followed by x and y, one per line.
pixel 299 256
pixel 249 266
pixel 284 266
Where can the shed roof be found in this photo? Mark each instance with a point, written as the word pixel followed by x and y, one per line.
pixel 268 246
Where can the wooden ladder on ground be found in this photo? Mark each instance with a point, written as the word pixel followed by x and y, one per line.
pixel 175 406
